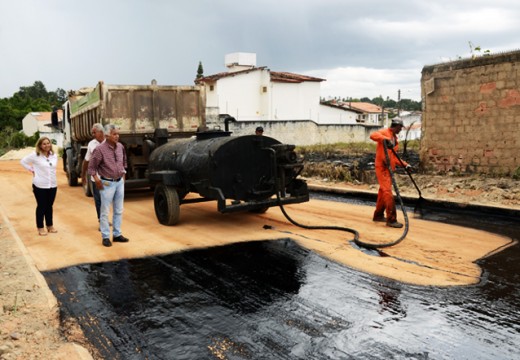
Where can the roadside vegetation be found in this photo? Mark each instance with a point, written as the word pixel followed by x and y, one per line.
pixel 34 98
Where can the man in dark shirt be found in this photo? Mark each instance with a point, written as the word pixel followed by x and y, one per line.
pixel 107 167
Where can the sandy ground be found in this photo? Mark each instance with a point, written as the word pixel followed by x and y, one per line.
pixel 28 311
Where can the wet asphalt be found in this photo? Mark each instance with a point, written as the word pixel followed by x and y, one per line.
pixel 277 300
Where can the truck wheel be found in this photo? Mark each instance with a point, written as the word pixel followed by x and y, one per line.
pixel 65 162
pixel 87 187
pixel 166 204
pixel 72 175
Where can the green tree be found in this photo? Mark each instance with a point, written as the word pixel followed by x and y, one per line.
pixel 34 98
pixel 389 103
pixel 61 96
pixel 200 71
pixel 410 105
pixel 378 101
pixel 36 91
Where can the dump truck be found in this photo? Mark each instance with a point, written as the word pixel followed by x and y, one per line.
pixel 146 115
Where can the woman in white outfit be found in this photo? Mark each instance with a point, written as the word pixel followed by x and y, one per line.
pixel 42 164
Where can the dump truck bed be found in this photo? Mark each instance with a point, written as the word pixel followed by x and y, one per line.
pixel 138 110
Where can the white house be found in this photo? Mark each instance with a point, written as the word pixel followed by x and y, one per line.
pixel 251 93
pixel 331 113
pixel 412 125
pixel 42 122
pixel 370 114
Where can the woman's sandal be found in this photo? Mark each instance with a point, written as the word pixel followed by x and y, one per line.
pixel 42 232
pixel 51 230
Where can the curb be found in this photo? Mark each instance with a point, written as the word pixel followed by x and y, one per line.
pixel 445 205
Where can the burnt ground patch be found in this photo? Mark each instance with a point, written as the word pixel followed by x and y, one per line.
pixel 349 166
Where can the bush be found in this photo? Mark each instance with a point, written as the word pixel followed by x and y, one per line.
pixel 516 174
pixel 12 139
pixel 18 140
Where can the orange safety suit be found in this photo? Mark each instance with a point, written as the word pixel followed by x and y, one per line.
pixel 385 198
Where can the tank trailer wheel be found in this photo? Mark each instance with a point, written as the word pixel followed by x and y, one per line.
pixel 166 204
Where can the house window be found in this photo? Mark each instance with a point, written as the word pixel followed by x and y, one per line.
pixel 211 88
pixel 264 89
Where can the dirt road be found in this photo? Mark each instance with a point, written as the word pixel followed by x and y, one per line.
pixel 432 254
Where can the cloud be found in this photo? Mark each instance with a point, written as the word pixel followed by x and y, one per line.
pixel 358 82
pixel 375 46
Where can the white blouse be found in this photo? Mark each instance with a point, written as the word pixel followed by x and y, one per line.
pixel 43 168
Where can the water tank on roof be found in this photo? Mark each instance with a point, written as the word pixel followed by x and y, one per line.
pixel 240 59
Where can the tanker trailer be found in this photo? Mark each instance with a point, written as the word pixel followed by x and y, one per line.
pixel 242 173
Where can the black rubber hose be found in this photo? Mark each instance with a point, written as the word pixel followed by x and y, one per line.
pixel 356 239
pixel 294 222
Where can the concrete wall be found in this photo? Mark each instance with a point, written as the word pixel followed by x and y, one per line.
pixel 471 115
pixel 305 132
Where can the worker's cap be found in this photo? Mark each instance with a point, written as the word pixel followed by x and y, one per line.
pixel 260 129
pixel 397 121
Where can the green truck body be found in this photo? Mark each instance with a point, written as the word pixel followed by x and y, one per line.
pixel 138 111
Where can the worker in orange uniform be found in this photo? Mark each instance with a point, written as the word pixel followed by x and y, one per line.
pixel 385 198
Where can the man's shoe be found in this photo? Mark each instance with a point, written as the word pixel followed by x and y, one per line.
pixel 119 238
pixel 106 242
pixel 395 224
pixel 379 219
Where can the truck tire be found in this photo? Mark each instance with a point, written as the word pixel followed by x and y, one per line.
pixel 166 204
pixel 64 158
pixel 87 187
pixel 72 175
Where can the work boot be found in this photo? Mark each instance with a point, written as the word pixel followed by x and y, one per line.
pixel 119 238
pixel 106 242
pixel 395 224
pixel 379 219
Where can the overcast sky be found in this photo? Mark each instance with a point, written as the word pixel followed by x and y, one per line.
pixel 362 48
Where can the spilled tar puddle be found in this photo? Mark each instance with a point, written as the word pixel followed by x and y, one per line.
pixel 276 300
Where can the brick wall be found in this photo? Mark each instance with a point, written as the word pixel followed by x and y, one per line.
pixel 471 115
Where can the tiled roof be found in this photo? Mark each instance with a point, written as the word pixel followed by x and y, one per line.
pixel 362 106
pixel 46 115
pixel 215 77
pixel 292 78
pixel 276 76
pixel 336 106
